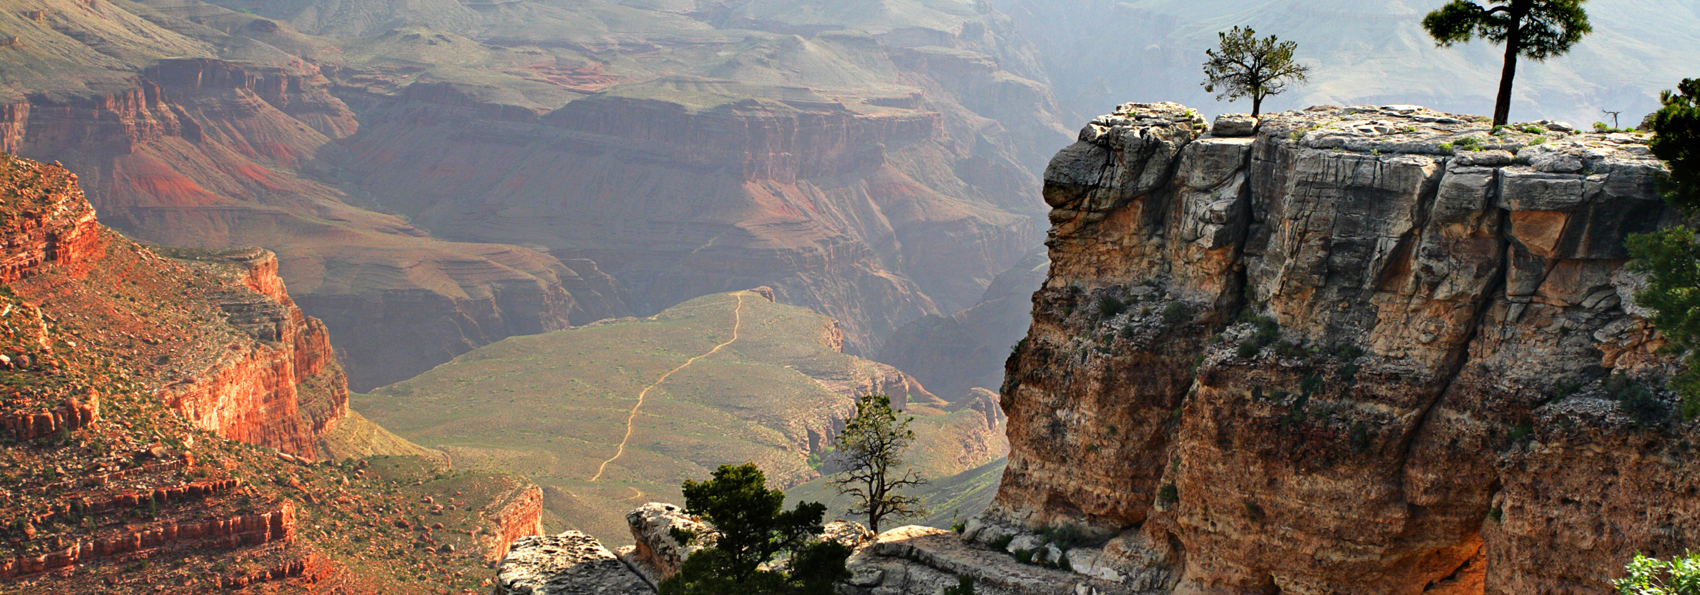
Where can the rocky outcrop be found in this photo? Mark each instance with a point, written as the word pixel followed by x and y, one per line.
pixel 516 514
pixel 655 554
pixel 1369 349
pixel 50 222
pixel 262 372
pixel 223 533
pixel 571 563
pixel 574 562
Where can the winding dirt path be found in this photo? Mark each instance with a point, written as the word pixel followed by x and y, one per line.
pixel 737 323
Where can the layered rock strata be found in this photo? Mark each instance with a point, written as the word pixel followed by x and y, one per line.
pixel 264 373
pixel 1368 349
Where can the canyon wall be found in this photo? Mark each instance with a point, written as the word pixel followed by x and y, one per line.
pixel 230 351
pixel 211 153
pixel 1359 350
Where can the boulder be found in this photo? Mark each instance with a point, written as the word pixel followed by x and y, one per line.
pixel 571 563
pixel 1234 125
pixel 657 554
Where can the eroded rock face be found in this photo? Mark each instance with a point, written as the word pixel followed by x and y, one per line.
pixel 1367 350
pixel 656 554
pixel 254 368
pixel 571 563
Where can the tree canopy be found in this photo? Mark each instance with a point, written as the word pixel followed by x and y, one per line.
pixel 1244 66
pixel 752 529
pixel 1535 29
pixel 1676 140
pixel 1670 257
pixel 870 449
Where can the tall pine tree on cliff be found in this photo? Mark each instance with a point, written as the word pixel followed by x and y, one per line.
pixel 1534 29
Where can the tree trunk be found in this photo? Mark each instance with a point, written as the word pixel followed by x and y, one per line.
pixel 1513 46
pixel 1256 104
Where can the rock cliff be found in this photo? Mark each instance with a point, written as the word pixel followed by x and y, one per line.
pixel 1364 349
pixel 263 373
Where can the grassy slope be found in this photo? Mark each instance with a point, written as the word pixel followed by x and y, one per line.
pixel 947 500
pixel 554 406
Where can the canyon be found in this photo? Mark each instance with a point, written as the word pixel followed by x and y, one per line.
pixel 432 185
pixel 1371 349
pixel 175 405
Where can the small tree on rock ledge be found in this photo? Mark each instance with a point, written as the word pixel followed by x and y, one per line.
pixel 1245 66
pixel 871 451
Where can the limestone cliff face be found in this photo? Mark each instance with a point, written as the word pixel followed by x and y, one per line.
pixel 216 336
pixel 1364 350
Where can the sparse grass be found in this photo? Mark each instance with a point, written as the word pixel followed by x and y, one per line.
pixel 554 406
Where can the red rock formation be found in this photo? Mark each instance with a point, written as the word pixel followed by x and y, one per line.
pixel 72 414
pixel 223 533
pixel 517 514
pixel 280 387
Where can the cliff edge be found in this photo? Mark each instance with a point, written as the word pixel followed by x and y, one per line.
pixel 1346 350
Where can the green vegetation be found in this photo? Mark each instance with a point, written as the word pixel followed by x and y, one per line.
pixel 1670 258
pixel 553 407
pixel 1676 140
pixel 1267 332
pixel 1168 494
pixel 1535 29
pixel 1244 66
pixel 871 451
pixel 1679 575
pixel 1110 306
pixel 964 586
pixel 753 530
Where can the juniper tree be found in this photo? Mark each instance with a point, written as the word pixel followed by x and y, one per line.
pixel 1244 66
pixel 1534 29
pixel 752 528
pixel 874 475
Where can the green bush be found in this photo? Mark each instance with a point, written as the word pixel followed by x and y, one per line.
pixel 1533 129
pixel 1168 494
pixel 754 530
pixel 1651 576
pixel 1468 143
pixel 1176 312
pixel 964 586
pixel 1110 307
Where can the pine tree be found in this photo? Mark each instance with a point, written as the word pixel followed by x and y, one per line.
pixel 1534 29
pixel 1244 66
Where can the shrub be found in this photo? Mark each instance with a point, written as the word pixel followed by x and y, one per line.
pixel 1651 576
pixel 1254 512
pixel 755 531
pixel 1533 129
pixel 964 586
pixel 1110 307
pixel 1468 143
pixel 1176 312
pixel 1168 494
pixel 1601 127
pixel 1446 146
pixel 1497 514
pixel 1360 437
